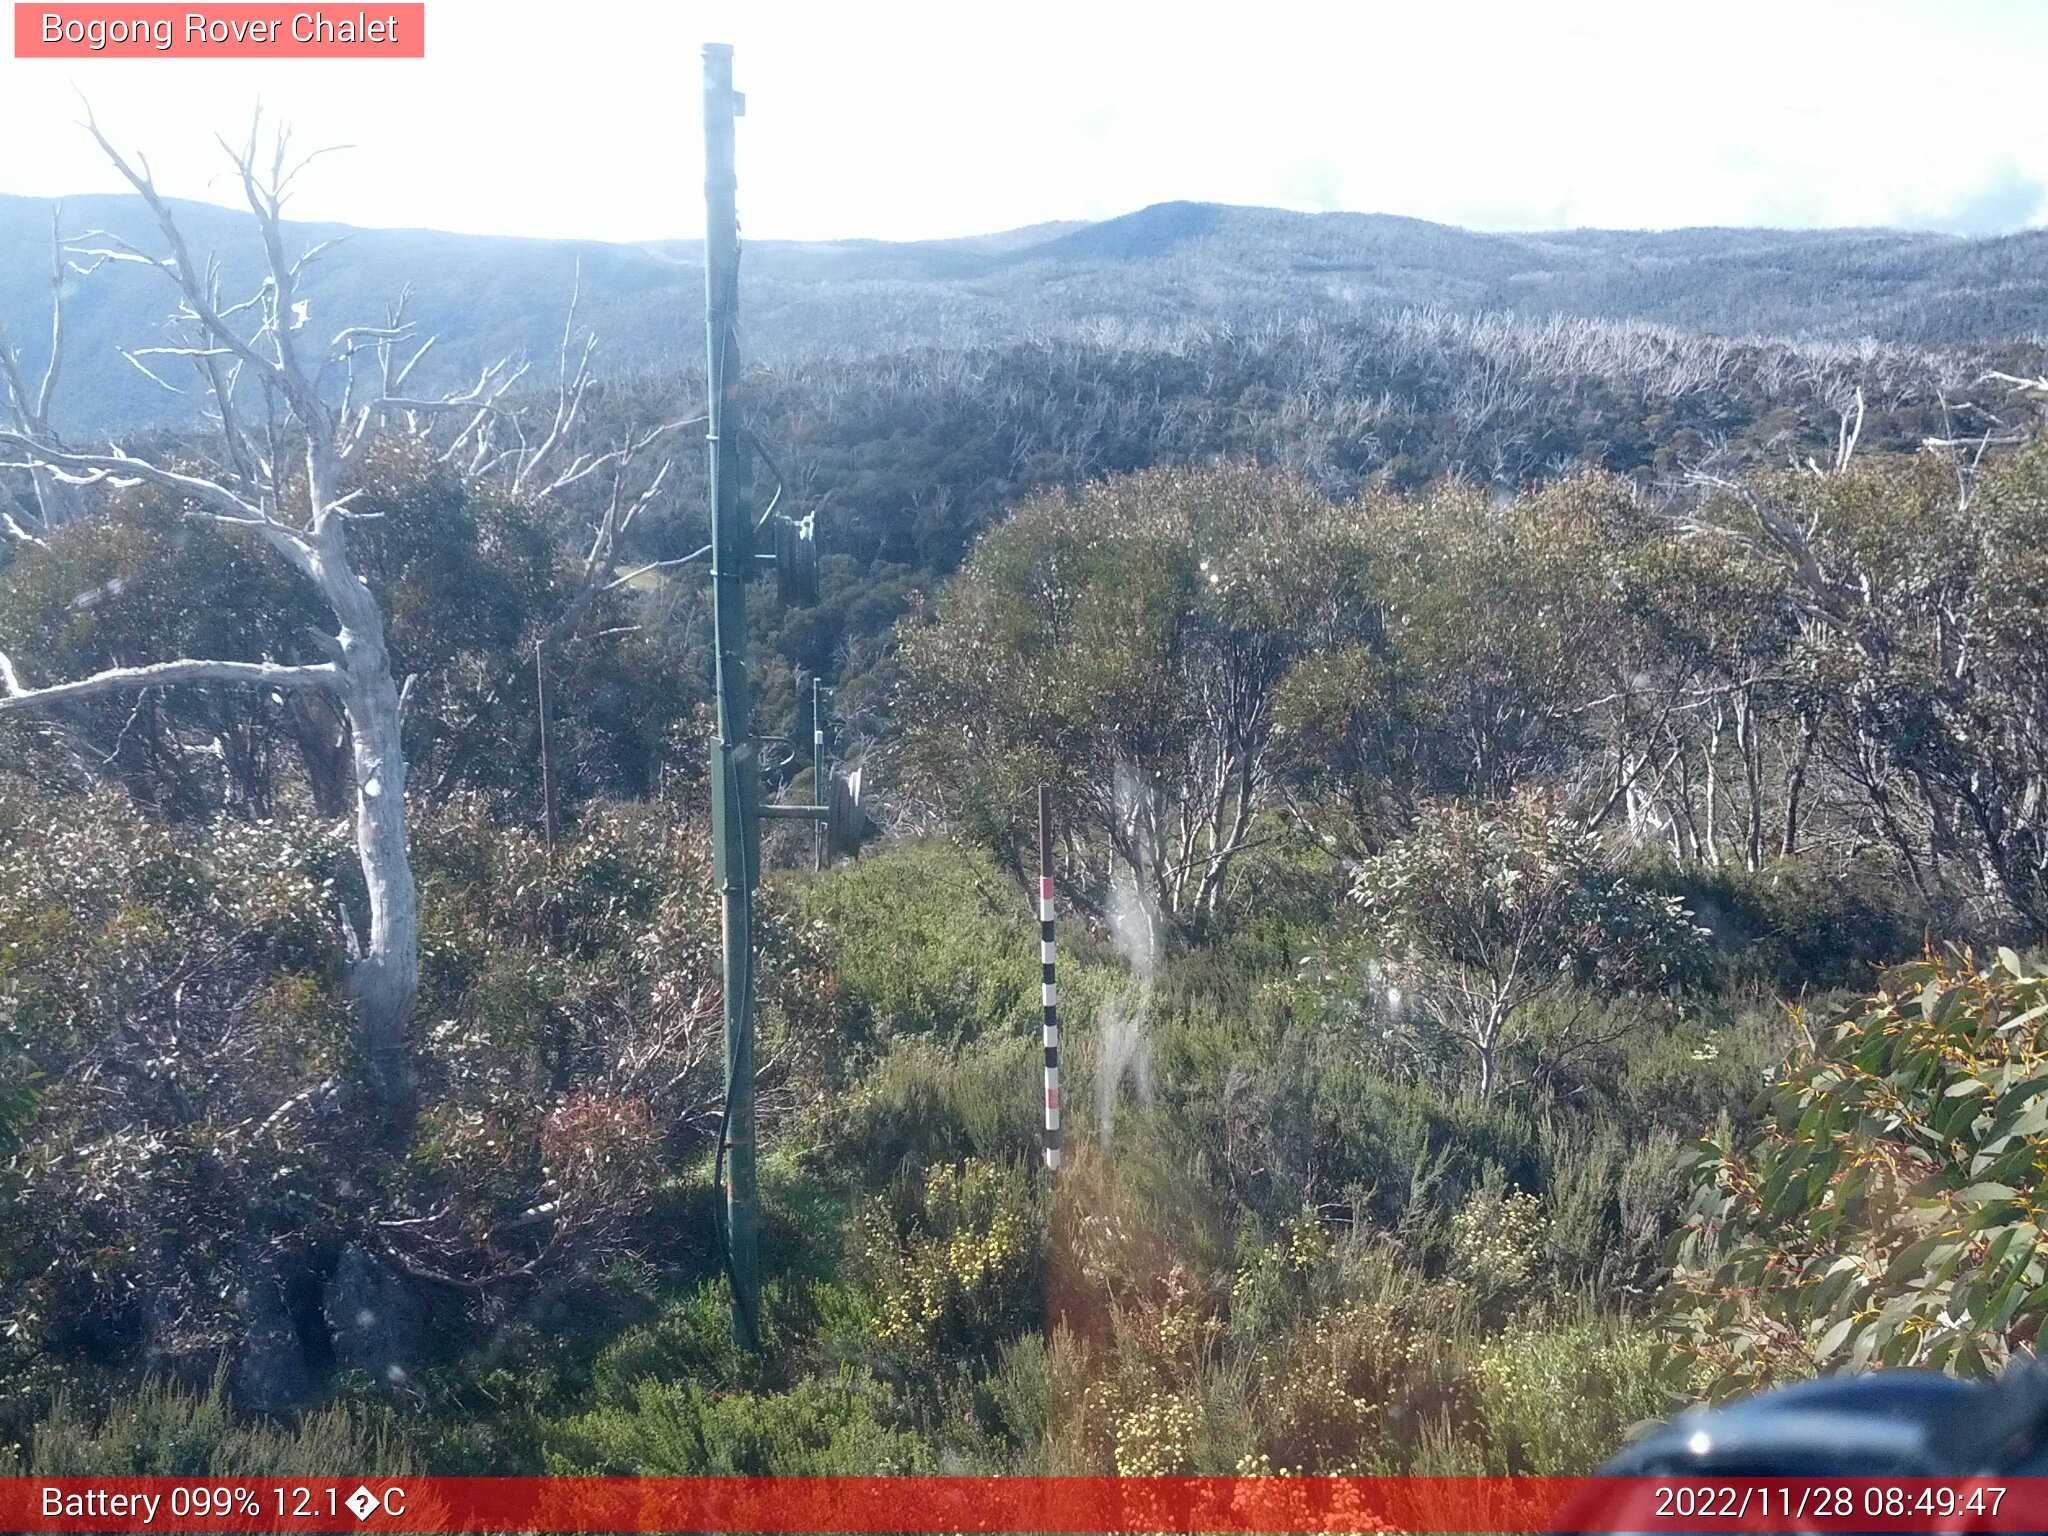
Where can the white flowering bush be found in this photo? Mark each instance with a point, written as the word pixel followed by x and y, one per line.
pixel 950 1260
pixel 1497 1241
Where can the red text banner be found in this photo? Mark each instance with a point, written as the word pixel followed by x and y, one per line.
pixel 1005 1504
pixel 222 31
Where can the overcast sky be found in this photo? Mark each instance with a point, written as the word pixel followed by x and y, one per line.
pixel 902 121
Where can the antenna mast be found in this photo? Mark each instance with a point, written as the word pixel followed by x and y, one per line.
pixel 734 836
pixel 737 810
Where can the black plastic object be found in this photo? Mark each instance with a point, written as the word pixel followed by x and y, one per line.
pixel 1884 1424
pixel 845 820
pixel 1880 1424
pixel 796 561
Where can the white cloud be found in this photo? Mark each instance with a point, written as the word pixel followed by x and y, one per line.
pixel 905 120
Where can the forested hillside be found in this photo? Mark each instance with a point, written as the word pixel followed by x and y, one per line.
pixel 1154 274
pixel 1550 818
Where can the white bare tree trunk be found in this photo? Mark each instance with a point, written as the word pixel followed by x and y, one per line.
pixel 386 976
pixel 280 477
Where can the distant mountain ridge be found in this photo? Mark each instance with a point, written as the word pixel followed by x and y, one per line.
pixel 1164 267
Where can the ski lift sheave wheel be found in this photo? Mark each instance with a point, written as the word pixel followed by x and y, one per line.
pixel 796 561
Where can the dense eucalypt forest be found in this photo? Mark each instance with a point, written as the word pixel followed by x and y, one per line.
pixel 1550 819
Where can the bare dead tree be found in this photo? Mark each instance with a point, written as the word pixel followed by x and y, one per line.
pixel 28 409
pixel 548 452
pixel 283 453
pixel 531 463
pixel 1965 452
pixel 1848 431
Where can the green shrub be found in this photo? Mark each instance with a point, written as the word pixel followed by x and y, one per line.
pixel 163 1430
pixel 844 1426
pixel 928 940
pixel 1886 1212
pixel 1611 1198
pixel 169 993
pixel 1379 1369
pixel 1559 1399
pixel 691 1340
pixel 1794 928
pixel 1318 1386
pixel 925 1103
pixel 1683 1078
pixel 1487 911
pixel 952 1261
pixel 1015 1401
pixel 1278 900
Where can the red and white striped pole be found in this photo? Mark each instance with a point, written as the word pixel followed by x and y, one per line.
pixel 1049 991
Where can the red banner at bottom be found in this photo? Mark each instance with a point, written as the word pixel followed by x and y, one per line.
pixel 1024 1504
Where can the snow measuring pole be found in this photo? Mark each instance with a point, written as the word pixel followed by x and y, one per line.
pixel 1049 990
